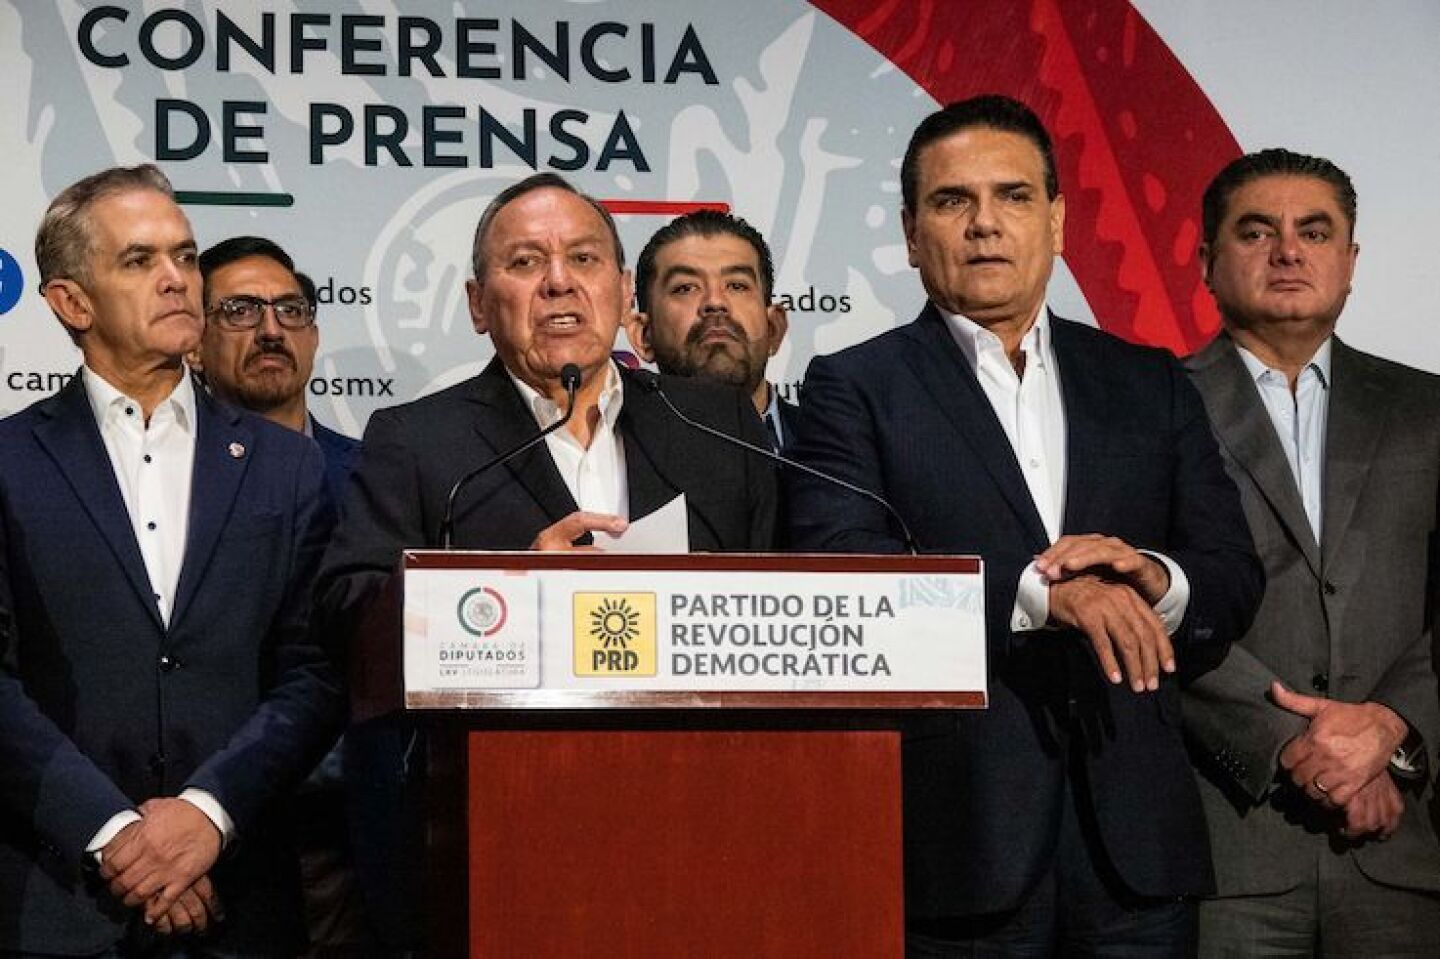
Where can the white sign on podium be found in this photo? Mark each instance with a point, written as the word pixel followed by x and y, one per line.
pixel 567 629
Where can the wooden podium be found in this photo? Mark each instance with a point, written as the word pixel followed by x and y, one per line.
pixel 625 823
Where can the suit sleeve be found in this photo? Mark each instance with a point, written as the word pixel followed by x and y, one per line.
pixel 45 780
pixel 1209 537
pixel 836 433
pixel 303 710
pixel 1408 686
pixel 383 513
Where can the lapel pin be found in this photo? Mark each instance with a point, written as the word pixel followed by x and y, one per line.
pixel 237 450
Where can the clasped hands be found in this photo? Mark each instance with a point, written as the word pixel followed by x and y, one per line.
pixel 1107 590
pixel 1341 760
pixel 162 862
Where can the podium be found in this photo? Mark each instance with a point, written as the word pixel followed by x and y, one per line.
pixel 610 820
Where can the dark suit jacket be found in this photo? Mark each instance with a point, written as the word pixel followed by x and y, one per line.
pixel 1351 615
pixel 412 454
pixel 905 416
pixel 102 706
pixel 340 452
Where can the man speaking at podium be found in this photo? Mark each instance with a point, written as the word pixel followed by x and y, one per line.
pixel 1063 820
pixel 550 288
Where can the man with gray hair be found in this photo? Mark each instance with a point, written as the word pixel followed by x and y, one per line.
pixel 159 688
pixel 550 289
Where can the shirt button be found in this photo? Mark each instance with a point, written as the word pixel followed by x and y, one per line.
pixel 150 525
pixel 1320 682
pixel 129 411
pixel 147 457
pixel 1034 464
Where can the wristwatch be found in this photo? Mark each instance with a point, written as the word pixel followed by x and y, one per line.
pixel 1409 760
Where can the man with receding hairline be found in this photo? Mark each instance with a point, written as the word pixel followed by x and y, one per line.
pixel 549 289
pixel 159 688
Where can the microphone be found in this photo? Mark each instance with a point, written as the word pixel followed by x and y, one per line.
pixel 651 382
pixel 570 380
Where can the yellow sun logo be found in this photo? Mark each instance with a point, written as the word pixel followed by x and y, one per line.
pixel 614 622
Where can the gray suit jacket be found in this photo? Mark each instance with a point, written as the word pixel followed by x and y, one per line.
pixel 1352 616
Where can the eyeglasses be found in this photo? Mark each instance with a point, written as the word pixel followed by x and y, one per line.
pixel 242 313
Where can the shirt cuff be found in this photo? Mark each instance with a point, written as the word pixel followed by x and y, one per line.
pixel 1032 601
pixel 110 830
pixel 213 811
pixel 1172 606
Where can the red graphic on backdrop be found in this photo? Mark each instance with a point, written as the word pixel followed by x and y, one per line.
pixel 1136 140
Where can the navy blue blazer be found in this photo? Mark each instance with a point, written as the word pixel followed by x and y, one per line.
pixel 102 706
pixel 340 452
pixel 904 415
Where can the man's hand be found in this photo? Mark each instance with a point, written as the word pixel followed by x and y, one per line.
pixel 193 912
pixel 1345 746
pixel 155 860
pixel 1121 627
pixel 563 534
pixel 1374 810
pixel 1106 556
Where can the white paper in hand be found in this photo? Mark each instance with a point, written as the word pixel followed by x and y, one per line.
pixel 666 530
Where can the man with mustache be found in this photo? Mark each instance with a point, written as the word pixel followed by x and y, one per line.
pixel 257 352
pixel 703 284
pixel 160 691
pixel 1316 738
pixel 1063 819
pixel 549 288
pixel 258 349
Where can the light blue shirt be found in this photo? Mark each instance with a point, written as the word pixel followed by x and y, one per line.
pixel 1299 419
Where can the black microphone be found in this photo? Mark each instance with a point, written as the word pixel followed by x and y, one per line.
pixel 651 381
pixel 570 380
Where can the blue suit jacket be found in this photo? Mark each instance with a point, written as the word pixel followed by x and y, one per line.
pixel 340 452
pixel 905 416
pixel 102 706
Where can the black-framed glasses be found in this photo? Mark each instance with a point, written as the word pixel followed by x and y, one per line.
pixel 242 313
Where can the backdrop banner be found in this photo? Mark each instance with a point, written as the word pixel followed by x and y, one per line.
pixel 366 137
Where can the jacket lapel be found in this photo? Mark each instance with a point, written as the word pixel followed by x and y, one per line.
pixel 1087 421
pixel 71 437
pixel 1357 420
pixel 649 434
pixel 943 370
pixel 502 423
pixel 224 446
pixel 1244 428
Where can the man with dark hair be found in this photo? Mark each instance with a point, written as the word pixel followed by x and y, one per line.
pixel 258 349
pixel 257 352
pixel 1063 819
pixel 703 284
pixel 550 289
pixel 159 688
pixel 1316 736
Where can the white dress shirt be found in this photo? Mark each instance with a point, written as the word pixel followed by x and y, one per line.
pixel 153 464
pixel 1300 420
pixel 595 475
pixel 1031 411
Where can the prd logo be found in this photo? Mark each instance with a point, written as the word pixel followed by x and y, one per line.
pixel 482 612
pixel 614 634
